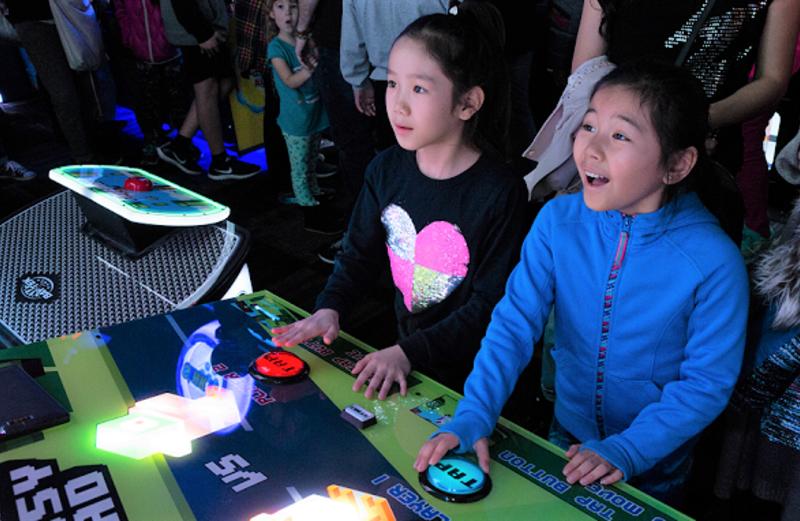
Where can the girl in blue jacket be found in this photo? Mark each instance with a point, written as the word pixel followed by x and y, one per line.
pixel 650 297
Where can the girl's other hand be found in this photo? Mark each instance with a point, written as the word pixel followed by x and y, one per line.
pixel 437 447
pixel 311 56
pixel 382 368
pixel 209 47
pixel 587 466
pixel 324 323
pixel 312 59
pixel 300 49
pixel 365 98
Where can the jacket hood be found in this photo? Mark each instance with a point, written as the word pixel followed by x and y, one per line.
pixel 777 274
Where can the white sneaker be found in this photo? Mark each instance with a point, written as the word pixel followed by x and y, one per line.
pixel 328 253
pixel 15 171
pixel 324 169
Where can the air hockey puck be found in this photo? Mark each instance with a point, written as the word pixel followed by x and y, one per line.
pixel 279 367
pixel 138 184
pixel 457 480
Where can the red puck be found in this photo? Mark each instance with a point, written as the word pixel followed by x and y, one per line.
pixel 138 184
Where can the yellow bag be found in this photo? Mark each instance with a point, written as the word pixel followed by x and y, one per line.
pixel 247 109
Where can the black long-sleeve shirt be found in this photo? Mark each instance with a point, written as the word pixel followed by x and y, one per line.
pixel 451 245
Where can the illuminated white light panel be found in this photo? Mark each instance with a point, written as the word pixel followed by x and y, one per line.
pixel 168 423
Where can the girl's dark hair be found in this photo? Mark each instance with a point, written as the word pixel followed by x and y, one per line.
pixel 269 24
pixel 469 49
pixel 678 110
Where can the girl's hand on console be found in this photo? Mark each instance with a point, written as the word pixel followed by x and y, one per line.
pixel 586 466
pixel 324 323
pixel 437 447
pixel 382 368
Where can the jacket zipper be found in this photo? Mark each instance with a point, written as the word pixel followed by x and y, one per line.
pixel 608 299
pixel 147 32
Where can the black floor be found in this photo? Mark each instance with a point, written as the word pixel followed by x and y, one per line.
pixel 282 259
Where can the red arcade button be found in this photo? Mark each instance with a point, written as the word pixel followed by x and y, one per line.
pixel 279 367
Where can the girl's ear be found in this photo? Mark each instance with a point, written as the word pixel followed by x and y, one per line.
pixel 471 102
pixel 680 164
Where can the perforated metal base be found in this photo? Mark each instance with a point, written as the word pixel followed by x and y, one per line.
pixel 54 280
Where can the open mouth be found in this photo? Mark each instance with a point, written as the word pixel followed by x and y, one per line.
pixel 595 179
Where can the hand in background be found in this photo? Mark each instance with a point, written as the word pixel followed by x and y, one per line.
pixel 211 46
pixel 365 98
pixel 306 51
pixel 382 368
pixel 324 323
pixel 299 47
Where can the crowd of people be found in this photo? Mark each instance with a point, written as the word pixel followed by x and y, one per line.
pixel 646 187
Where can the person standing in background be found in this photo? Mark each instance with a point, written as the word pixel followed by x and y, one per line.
pixel 200 29
pixel 33 21
pixel 368 30
pixel 302 116
pixel 251 42
pixel 319 26
pixel 158 71
pixel 735 35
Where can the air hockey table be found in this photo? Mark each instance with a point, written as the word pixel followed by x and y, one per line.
pixel 289 445
pixel 99 253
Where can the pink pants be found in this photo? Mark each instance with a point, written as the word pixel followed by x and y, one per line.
pixel 752 178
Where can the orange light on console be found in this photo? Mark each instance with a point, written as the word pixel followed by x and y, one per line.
pixel 314 508
pixel 374 508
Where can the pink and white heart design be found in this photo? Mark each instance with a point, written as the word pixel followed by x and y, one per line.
pixel 426 266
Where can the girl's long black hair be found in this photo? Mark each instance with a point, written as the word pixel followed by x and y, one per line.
pixel 469 48
pixel 676 103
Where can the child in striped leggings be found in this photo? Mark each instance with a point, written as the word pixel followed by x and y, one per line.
pixel 302 116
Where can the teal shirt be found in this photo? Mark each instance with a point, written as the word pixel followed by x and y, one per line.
pixel 301 113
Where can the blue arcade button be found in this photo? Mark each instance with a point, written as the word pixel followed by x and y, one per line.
pixel 457 480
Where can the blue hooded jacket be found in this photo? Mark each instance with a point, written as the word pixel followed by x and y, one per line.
pixel 650 316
